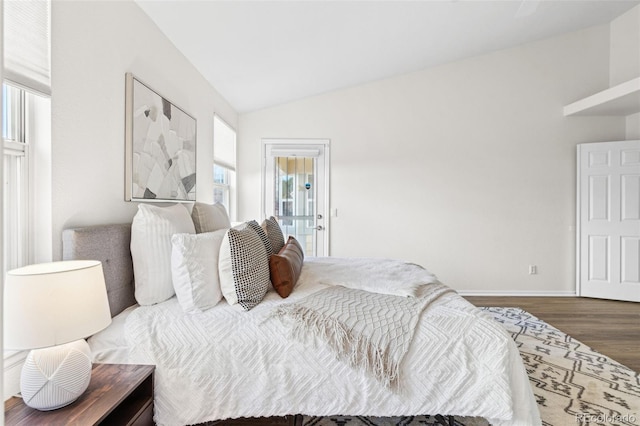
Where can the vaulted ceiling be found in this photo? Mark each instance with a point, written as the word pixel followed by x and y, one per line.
pixel 263 53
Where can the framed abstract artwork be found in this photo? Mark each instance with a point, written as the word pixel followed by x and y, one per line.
pixel 160 141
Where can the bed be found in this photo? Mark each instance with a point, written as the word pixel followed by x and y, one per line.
pixel 228 363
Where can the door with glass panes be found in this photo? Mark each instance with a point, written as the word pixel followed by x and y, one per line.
pixel 295 190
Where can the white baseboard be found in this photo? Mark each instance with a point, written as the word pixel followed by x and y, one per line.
pixel 496 293
pixel 12 369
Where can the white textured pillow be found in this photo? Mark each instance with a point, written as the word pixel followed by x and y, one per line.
pixel 209 218
pixel 243 267
pixel 194 267
pixel 274 232
pixel 151 233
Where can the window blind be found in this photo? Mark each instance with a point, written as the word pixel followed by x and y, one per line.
pixel 300 152
pixel 27 47
pixel 224 144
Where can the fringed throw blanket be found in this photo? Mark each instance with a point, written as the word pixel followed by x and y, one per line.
pixel 370 331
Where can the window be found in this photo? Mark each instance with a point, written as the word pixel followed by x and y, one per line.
pixel 26 132
pixel 25 135
pixel 16 177
pixel 221 185
pixel 224 165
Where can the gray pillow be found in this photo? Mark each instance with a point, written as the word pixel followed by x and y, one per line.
pixel 209 218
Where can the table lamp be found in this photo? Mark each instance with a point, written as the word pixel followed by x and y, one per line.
pixel 51 308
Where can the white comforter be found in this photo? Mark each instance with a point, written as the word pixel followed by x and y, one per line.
pixel 225 363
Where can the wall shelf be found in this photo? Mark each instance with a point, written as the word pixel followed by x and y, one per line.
pixel 623 99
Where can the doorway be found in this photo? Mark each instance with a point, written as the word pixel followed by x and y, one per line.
pixel 295 176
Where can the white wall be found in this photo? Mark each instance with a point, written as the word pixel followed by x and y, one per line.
pixel 467 168
pixel 94 44
pixel 625 47
pixel 624 57
pixel 633 126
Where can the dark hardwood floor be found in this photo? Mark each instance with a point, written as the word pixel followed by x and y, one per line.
pixel 609 327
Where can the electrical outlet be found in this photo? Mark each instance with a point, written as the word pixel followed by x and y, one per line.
pixel 533 269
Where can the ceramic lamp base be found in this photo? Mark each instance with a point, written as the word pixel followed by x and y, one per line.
pixel 55 377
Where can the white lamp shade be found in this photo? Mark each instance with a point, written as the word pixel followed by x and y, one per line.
pixel 54 303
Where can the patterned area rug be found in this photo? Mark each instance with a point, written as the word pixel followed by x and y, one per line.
pixel 572 384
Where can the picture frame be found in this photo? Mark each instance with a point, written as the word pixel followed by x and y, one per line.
pixel 160 145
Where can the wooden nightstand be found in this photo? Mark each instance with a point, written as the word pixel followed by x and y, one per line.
pixel 119 394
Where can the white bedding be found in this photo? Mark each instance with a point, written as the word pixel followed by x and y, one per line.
pixel 378 275
pixel 225 363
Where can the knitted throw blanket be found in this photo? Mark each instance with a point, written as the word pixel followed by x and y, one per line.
pixel 370 331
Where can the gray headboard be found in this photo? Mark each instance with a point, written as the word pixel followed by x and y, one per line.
pixel 109 244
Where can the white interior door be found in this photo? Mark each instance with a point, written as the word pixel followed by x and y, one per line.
pixel 296 190
pixel 609 220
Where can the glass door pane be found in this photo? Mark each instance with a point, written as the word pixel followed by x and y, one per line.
pixel 294 197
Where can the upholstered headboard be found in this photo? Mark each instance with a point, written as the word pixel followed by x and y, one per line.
pixel 109 244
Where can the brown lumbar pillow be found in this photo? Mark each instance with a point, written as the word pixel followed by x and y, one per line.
pixel 285 267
